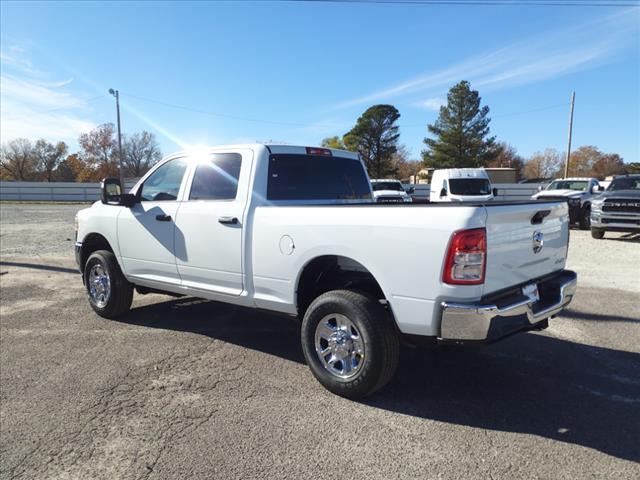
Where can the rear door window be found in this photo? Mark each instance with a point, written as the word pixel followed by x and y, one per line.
pixel 310 177
pixel 217 179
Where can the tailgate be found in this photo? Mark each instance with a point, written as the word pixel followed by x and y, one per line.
pixel 524 241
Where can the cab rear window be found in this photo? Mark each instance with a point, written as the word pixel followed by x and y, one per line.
pixel 310 177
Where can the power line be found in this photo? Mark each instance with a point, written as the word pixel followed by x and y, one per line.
pixel 484 3
pixel 296 124
pixel 510 114
pixel 224 115
pixel 33 114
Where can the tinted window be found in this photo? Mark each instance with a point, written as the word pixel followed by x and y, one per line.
pixel 308 177
pixel 218 178
pixel 164 183
pixel 469 186
pixel 625 183
pixel 377 186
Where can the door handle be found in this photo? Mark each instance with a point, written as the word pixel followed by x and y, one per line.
pixel 163 218
pixel 228 220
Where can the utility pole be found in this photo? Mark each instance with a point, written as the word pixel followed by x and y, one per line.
pixel 566 162
pixel 116 94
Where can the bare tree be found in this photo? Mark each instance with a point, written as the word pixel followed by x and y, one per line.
pixel 48 156
pixel 403 166
pixel 100 150
pixel 17 160
pixel 507 158
pixel 141 151
pixel 543 164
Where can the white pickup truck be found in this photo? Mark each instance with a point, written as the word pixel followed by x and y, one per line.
pixel 295 230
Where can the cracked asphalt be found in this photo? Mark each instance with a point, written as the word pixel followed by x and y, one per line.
pixel 186 388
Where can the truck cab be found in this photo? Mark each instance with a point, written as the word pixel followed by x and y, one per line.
pixel 460 185
pixel 577 192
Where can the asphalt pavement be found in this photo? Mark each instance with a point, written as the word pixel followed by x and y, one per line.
pixel 187 388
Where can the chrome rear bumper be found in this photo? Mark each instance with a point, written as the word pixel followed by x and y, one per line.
pixel 462 322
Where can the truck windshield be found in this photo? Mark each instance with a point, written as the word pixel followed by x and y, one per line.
pixel 579 185
pixel 377 186
pixel 469 186
pixel 311 177
pixel 625 183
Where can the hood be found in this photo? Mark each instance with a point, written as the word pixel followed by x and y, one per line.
pixel 621 194
pixel 559 193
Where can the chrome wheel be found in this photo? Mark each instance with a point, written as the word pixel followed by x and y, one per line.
pixel 339 346
pixel 99 285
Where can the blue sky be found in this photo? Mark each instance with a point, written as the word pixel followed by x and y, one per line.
pixel 299 72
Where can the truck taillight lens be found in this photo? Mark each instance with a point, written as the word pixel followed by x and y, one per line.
pixel 466 260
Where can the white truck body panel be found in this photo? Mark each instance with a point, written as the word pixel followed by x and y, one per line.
pixel 259 261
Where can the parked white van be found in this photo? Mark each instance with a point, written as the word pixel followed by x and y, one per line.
pixel 460 185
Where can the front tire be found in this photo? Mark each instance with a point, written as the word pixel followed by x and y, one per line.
pixel 585 219
pixel 597 233
pixel 110 294
pixel 349 343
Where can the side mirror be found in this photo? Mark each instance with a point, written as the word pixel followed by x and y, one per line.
pixel 443 192
pixel 111 193
pixel 595 189
pixel 411 190
pixel 540 188
pixel 495 192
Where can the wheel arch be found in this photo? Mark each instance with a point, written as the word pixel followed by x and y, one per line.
pixel 90 243
pixel 332 272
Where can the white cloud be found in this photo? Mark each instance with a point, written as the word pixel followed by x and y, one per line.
pixel 546 56
pixel 32 106
pixel 431 103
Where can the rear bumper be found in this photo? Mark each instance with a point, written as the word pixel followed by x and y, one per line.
pixel 485 322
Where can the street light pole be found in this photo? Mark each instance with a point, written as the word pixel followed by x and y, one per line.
pixel 566 162
pixel 116 94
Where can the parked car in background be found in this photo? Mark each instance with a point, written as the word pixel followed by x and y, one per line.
pixel 460 185
pixel 294 229
pixel 419 191
pixel 578 192
pixel 389 191
pixel 617 209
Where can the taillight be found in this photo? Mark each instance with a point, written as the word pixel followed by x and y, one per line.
pixel 466 260
pixel 319 151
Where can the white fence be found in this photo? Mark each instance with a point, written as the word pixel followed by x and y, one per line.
pixel 90 192
pixel 52 191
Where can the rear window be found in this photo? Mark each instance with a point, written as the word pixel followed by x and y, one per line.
pixel 469 186
pixel 310 177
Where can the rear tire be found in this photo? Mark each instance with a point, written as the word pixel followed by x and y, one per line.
pixel 110 294
pixel 597 233
pixel 351 325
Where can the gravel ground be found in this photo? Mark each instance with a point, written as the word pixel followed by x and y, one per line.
pixel 195 389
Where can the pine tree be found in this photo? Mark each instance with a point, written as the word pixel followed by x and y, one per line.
pixel 461 132
pixel 375 137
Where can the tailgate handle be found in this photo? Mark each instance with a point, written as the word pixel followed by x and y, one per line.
pixel 539 217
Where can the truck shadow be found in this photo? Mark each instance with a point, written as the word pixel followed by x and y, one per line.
pixel 529 383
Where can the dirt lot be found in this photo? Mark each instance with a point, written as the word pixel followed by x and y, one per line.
pixel 195 389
